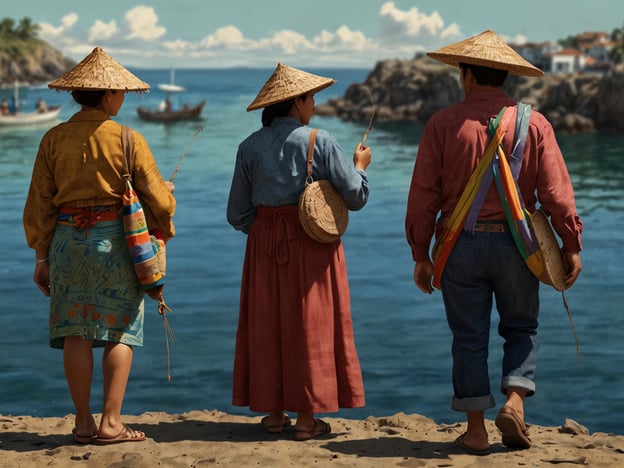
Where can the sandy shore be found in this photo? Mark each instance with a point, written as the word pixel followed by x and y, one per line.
pixel 206 438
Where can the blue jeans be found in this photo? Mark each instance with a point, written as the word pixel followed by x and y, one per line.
pixel 483 266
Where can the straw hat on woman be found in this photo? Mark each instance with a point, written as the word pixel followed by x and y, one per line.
pixel 71 220
pixel 295 350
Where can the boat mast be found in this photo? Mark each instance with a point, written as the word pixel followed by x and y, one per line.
pixel 16 95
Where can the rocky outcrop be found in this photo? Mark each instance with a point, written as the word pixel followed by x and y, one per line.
pixel 415 89
pixel 41 65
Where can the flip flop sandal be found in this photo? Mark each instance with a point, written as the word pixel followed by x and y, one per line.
pixel 83 439
pixel 125 435
pixel 513 430
pixel 320 428
pixel 275 428
pixel 460 443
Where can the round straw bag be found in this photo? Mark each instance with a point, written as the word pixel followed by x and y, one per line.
pixel 554 270
pixel 322 211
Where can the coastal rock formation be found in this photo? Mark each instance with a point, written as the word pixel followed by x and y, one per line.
pixel 415 89
pixel 41 65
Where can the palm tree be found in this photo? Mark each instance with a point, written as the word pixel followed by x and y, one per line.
pixel 26 29
pixel 6 27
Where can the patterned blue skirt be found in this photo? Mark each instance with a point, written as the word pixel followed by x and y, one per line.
pixel 94 290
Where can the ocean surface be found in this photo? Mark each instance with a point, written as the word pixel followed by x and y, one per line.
pixel 402 336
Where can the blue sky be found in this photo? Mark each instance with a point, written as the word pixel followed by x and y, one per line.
pixel 321 33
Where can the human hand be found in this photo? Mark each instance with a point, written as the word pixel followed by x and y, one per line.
pixel 572 263
pixel 362 156
pixel 42 277
pixel 170 186
pixel 423 274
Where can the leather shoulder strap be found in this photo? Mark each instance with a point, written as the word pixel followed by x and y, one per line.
pixel 127 144
pixel 309 178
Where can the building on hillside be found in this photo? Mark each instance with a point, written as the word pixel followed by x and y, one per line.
pixel 587 40
pixel 537 53
pixel 567 61
pixel 591 54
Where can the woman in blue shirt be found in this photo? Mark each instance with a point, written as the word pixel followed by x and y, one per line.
pixel 295 349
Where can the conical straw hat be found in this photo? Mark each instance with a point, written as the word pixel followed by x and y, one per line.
pixel 486 50
pixel 98 71
pixel 287 83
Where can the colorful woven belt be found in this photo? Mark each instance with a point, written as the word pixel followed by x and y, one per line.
pixel 84 218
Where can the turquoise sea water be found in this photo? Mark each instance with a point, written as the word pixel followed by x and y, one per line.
pixel 402 336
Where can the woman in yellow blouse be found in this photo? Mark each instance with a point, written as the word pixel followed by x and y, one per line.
pixel 71 220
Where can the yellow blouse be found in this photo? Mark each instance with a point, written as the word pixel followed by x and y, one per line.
pixel 80 163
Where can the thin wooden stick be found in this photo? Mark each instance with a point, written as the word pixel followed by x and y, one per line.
pixel 372 116
pixel 175 172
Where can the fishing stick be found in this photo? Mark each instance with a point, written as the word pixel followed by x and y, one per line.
pixel 175 172
pixel 372 116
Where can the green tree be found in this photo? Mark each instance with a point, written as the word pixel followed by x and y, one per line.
pixel 617 52
pixel 569 41
pixel 7 26
pixel 20 39
pixel 26 29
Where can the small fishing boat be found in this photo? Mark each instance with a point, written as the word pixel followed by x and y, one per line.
pixel 169 115
pixel 29 118
pixel 16 116
pixel 165 112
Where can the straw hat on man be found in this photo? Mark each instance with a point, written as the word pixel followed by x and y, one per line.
pixel 477 260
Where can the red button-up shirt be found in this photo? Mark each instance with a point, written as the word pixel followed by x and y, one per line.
pixel 451 146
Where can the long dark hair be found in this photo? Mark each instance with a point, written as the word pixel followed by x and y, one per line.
pixel 281 109
pixel 88 98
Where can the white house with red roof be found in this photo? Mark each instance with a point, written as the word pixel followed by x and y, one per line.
pixel 590 54
pixel 567 61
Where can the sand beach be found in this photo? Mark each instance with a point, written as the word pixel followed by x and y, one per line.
pixel 213 438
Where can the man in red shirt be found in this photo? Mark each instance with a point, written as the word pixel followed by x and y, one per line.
pixel 484 262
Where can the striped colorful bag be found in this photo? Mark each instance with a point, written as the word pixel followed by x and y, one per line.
pixel 146 251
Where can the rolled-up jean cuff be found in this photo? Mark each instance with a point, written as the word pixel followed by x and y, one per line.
pixel 473 404
pixel 518 382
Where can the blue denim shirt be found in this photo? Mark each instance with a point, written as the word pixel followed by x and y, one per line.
pixel 271 169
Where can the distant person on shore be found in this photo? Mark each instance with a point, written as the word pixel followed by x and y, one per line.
pixel 484 262
pixel 4 107
pixel 295 349
pixel 71 220
pixel 41 106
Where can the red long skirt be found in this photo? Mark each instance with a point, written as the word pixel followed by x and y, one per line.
pixel 295 349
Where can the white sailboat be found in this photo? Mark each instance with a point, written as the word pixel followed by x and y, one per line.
pixel 17 117
pixel 171 87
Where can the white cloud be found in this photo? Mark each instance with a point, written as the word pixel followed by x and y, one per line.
pixel 142 23
pixel 101 31
pixel 47 32
pixel 226 38
pixel 289 42
pixel 140 40
pixel 403 28
pixel 343 38
pixel 519 39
